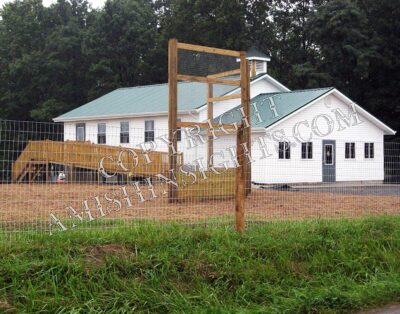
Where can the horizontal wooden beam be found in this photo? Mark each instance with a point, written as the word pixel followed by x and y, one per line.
pixel 220 133
pixel 203 79
pixel 218 51
pixel 205 125
pixel 227 97
pixel 223 74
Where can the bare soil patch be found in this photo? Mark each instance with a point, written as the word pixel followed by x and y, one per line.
pixel 5 307
pixel 388 309
pixel 97 255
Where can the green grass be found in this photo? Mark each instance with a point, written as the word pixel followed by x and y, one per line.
pixel 296 267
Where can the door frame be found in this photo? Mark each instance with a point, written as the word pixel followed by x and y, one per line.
pixel 329 170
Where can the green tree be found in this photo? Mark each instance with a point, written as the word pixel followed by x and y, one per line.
pixel 293 54
pixel 342 37
pixel 22 34
pixel 357 43
pixel 207 22
pixel 121 45
pixel 382 93
pixel 42 58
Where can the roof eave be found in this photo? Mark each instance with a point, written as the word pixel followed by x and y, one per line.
pixel 258 58
pixel 120 116
pixel 387 130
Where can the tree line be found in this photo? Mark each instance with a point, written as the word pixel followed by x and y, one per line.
pixel 56 58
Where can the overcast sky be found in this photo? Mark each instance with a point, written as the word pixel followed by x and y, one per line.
pixel 95 3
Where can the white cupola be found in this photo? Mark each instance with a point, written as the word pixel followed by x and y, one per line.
pixel 257 60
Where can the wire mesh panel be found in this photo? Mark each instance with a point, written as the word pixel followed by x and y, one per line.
pixel 52 182
pixel 203 64
pixel 57 179
pixel 324 179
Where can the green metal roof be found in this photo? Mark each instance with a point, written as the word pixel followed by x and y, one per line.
pixel 144 99
pixel 253 52
pixel 286 103
pixel 130 101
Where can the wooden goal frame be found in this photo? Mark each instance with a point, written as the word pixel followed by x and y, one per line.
pixel 243 133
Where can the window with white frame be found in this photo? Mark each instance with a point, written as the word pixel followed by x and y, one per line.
pixel 284 150
pixel 306 150
pixel 149 130
pixel 101 133
pixel 350 151
pixel 124 133
pixel 369 150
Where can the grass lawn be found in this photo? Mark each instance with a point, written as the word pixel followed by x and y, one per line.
pixel 291 267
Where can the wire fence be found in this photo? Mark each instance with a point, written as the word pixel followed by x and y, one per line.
pixel 58 178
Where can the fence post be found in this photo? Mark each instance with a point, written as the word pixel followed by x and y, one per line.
pixel 210 116
pixel 248 129
pixel 245 97
pixel 172 114
pixel 243 136
pixel 240 181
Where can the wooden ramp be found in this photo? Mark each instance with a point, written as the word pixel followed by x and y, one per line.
pixel 208 186
pixel 38 155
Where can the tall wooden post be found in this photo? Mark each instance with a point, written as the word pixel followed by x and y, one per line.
pixel 248 130
pixel 172 113
pixel 245 97
pixel 242 137
pixel 210 116
pixel 240 193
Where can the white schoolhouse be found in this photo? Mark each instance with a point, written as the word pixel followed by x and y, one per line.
pixel 314 135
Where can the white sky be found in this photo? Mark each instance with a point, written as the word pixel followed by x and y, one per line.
pixel 95 3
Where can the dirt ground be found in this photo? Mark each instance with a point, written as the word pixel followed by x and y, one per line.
pixel 388 309
pixel 34 203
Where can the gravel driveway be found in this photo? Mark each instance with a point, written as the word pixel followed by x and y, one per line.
pixel 379 190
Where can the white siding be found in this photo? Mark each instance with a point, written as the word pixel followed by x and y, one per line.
pixel 296 169
pixel 136 133
pixel 270 169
